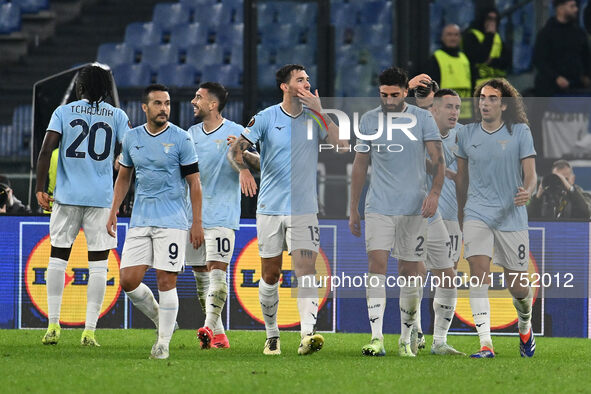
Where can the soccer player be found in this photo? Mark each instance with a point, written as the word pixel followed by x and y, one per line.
pixel 495 179
pixel 443 232
pixel 287 203
pixel 221 208
pixel 86 131
pixel 397 203
pixel 164 159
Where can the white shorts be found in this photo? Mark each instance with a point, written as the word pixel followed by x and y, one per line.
pixel 455 239
pixel 218 246
pixel 277 233
pixel 511 248
pixel 438 246
pixel 403 235
pixel 159 248
pixel 65 223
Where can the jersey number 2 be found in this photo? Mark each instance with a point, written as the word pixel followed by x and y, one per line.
pixel 72 152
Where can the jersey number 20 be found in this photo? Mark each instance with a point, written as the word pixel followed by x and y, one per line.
pixel 72 152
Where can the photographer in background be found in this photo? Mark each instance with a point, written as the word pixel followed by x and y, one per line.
pixel 14 206
pixel 558 197
pixel 3 198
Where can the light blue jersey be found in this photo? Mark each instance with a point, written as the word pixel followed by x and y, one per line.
pixel 495 173
pixel 398 183
pixel 219 181
pixel 85 161
pixel 289 161
pixel 448 204
pixel 160 190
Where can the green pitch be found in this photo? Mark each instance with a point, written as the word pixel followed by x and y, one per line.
pixel 121 364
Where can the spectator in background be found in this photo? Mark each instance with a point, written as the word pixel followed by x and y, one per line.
pixel 450 67
pixel 558 197
pixel 3 198
pixel 484 47
pixel 14 206
pixel 561 53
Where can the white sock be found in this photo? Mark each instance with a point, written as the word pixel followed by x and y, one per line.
pixel 218 327
pixel 202 285
pixel 523 308
pixel 143 299
pixel 444 306
pixel 269 299
pixel 418 318
pixel 95 293
pixel 168 310
pixel 216 298
pixel 376 303
pixel 409 296
pixel 480 306
pixel 56 277
pixel 307 304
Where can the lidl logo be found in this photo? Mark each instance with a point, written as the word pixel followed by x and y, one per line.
pixel 502 311
pixel 73 311
pixel 247 273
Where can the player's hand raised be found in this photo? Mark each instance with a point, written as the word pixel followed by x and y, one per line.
pixel 112 224
pixel 44 200
pixel 310 100
pixel 430 205
pixel 247 183
pixel 355 222
pixel 522 197
pixel 196 235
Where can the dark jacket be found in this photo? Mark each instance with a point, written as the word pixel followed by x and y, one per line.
pixel 478 53
pixel 572 205
pixel 561 49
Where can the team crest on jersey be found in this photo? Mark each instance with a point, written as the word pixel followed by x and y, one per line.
pixel 251 122
pixel 167 147
pixel 219 144
pixel 503 143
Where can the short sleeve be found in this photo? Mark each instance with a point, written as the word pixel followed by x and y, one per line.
pixel 526 143
pixel 187 150
pixel 256 127
pixel 461 153
pixel 125 159
pixel 430 129
pixel 55 123
pixel 123 125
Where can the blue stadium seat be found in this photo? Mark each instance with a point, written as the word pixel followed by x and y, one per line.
pixel 188 34
pixel 114 54
pixel 372 11
pixel 344 15
pixel 276 35
pixel 237 56
pixel 132 75
pixel 267 13
pixel 214 15
pixel 178 75
pixel 204 55
pixel 266 75
pixel 156 55
pixel 31 6
pixel 347 54
pixel 373 35
pixel 300 54
pixel 231 36
pixel 382 56
pixel 237 13
pixel 266 55
pixel 305 14
pixel 344 35
pixel 139 34
pixel 169 15
pixel 351 78
pixel 10 18
pixel 228 75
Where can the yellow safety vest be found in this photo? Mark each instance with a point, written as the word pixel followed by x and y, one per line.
pixel 486 72
pixel 455 74
pixel 52 174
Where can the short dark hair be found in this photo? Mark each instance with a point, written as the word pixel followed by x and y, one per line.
pixel 155 87
pixel 446 92
pixel 561 164
pixel 219 91
pixel 394 76
pixel 283 75
pixel 94 83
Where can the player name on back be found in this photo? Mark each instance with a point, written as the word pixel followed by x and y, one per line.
pixel 81 109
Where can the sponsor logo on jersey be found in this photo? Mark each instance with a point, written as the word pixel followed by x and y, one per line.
pixel 73 311
pixel 247 274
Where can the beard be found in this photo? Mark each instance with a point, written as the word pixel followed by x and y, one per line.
pixel 393 107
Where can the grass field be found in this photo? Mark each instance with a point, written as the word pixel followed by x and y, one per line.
pixel 121 364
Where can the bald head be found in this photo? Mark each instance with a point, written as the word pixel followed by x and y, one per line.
pixel 450 36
